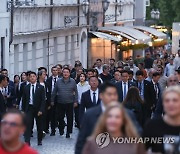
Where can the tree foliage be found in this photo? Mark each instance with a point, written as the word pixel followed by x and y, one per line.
pixel 169 11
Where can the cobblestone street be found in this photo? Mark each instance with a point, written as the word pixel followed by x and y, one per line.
pixel 56 144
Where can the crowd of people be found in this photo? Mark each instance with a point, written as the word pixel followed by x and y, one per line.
pixel 130 98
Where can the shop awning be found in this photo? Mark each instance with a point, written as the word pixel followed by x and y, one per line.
pixel 152 31
pixel 106 36
pixel 119 33
pixel 135 34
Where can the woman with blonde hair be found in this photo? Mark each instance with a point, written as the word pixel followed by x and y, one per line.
pixel 113 124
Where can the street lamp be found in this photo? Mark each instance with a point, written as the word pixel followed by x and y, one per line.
pixel 105 5
pixel 155 14
pixel 120 7
pixel 85 7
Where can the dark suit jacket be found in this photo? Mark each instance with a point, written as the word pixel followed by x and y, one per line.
pixel 2 105
pixel 39 98
pixel 12 99
pixel 120 90
pixel 88 124
pixel 86 103
pixel 154 93
pixel 49 89
pixel 149 97
pixel 21 91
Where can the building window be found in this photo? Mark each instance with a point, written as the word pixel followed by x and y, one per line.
pixel 147 2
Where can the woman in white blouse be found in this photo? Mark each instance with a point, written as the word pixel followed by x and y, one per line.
pixel 82 86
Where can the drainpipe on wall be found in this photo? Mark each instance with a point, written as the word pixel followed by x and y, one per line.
pixel 12 22
pixel 51 27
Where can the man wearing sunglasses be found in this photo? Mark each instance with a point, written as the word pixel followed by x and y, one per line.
pixel 12 127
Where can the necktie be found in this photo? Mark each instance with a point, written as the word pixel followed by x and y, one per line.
pixel 94 98
pixel 156 90
pixel 124 94
pixel 140 87
pixel 33 93
pixel 54 81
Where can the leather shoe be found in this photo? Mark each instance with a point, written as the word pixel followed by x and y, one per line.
pixel 61 133
pixel 67 135
pixel 39 143
pixel 52 134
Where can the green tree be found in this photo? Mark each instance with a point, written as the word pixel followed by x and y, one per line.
pixel 176 7
pixel 167 12
pixel 153 5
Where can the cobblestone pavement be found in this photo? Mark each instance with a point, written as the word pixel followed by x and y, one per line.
pixel 56 144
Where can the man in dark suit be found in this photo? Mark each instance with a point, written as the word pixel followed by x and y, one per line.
pixel 156 88
pixel 21 90
pixel 33 104
pixel 5 73
pixel 89 98
pixel 9 95
pixel 131 76
pixel 108 93
pixel 117 77
pixel 3 83
pixel 147 94
pixel 50 83
pixel 123 85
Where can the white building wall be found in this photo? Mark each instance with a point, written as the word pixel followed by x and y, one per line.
pixel 113 17
pixel 176 37
pixel 4 35
pixel 140 12
pixel 35 44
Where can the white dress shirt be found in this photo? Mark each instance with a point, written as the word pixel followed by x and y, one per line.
pixel 1 90
pixel 103 107
pixel 53 84
pixel 100 70
pixel 31 95
pixel 126 84
pixel 97 94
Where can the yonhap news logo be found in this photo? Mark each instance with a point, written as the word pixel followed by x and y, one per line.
pixel 103 140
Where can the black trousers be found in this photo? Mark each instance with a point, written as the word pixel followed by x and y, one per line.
pixel 76 113
pixel 52 118
pixel 31 115
pixel 62 111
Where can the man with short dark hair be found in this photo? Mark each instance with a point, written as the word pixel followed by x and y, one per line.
pixel 90 73
pixel 177 73
pixel 117 77
pixel 156 88
pixel 51 82
pixel 99 66
pixel 105 76
pixel 3 83
pixel 5 72
pixel 123 85
pixel 112 66
pixel 67 98
pixel 146 93
pixel 33 104
pixel 131 76
pixel 89 98
pixel 12 128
